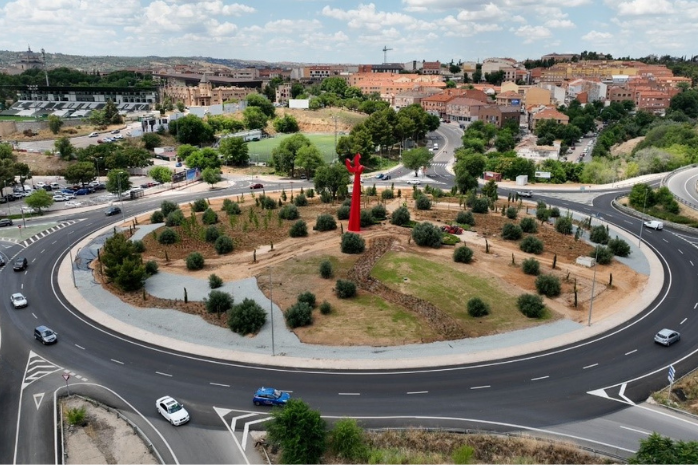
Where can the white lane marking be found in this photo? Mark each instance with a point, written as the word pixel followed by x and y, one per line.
pixel 480 387
pixel 163 374
pixel 683 321
pixel 696 305
pixel 348 394
pixel 53 242
pixel 539 378
pixel 636 430
pixel 33 260
pixel 34 316
pixel 621 394
pixel 22 286
pixel 631 352
pixel 43 250
pixel 691 262
pixel 79 347
pixel 590 366
pixel 246 430
pixel 665 240
pixel 235 419
pixel 418 392
pixel 680 251
pixel 629 222
pixel 221 385
pixel 116 361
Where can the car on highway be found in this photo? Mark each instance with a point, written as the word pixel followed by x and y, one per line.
pixel 380 176
pixel 667 337
pixel 656 225
pixel 112 211
pixel 256 186
pixel 270 396
pixel 93 134
pixel 73 204
pixel 524 193
pixel 5 222
pixel 18 300
pixel 2 261
pixel 173 411
pixel 20 264
pixel 414 181
pixel 45 335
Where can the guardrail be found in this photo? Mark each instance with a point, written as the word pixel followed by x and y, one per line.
pixel 666 178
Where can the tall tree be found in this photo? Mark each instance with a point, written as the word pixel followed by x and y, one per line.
pixel 204 158
pixel 331 178
pixel 417 158
pixel 118 181
pixel 309 159
pixel 39 199
pixel 81 173
pixel 254 118
pixel 55 123
pixel 263 103
pixel 284 155
pixel 64 147
pixel 161 174
pixel 211 176
pixel 192 130
pixel 234 151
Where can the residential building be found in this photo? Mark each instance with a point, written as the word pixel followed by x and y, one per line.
pixel 382 68
pixel 205 94
pixel 431 67
pixel 491 65
pixel 540 113
pixel 652 101
pixel 559 57
pixel 412 97
pixel 510 98
pixel 538 153
pixel 497 114
pixel 436 104
pixel 537 96
pixel 557 93
pixel 461 109
pixel 283 93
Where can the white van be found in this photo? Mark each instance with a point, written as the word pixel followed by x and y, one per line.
pixel 656 225
pixel 436 146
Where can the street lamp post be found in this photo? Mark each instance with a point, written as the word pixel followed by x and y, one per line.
pixel 593 283
pixel 121 198
pixel 271 311
pixel 97 162
pixel 642 223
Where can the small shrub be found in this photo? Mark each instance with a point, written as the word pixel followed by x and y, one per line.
pixel 167 207
pixel 307 297
pixel 463 254
pixel 300 200
pixel 365 219
pixel 423 203
pixel 151 267
pixel 168 236
pixel 512 212
pixel 223 245
pixel 477 307
pixel 512 232
pixel 325 308
pixel 299 229
pixel 343 212
pixel 619 247
pixel 77 416
pixel 554 212
pixel 379 212
pixel 463 455
pixel 563 225
pixel 200 205
pixel 310 193
pixel 195 261
pixel 157 217
pixel 603 255
pixel 548 285
pixel 346 440
pixel 326 270
pixel 427 235
pixel 531 305
pixel 218 302
pixel 212 233
pixel 400 216
pixel 465 218
pixel 352 243
pixel 325 222
pixel 531 266
pixel 345 289
pixel 231 208
pixel 599 235
pixel 480 205
pixel 529 225
pixel 214 281
pixel 325 197
pixel 138 246
pixel 175 218
pixel 247 317
pixel 387 194
pixel 209 217
pixel 531 244
pixel 542 214
pixel 289 212
pixel 347 202
pixel 299 314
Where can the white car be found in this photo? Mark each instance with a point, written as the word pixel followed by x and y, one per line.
pixel 414 181
pixel 18 300
pixel 93 134
pixel 656 225
pixel 28 210
pixel 40 184
pixel 172 410
pixel 73 204
pixel 118 137
pixel 68 196
pixel 59 198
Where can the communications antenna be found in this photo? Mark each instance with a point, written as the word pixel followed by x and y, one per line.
pixel 385 53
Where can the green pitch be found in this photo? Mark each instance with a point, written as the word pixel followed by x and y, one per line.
pixel 261 150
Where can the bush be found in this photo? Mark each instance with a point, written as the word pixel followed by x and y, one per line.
pixel 326 270
pixel 531 244
pixel 299 314
pixel 247 317
pixel 195 261
pixel 267 203
pixel 352 243
pixel 481 205
pixel 603 255
pixel 200 205
pixel 365 219
pixel 599 235
pixel 157 217
pixel 300 200
pixel 531 266
pixel 477 307
pixel 400 217
pixel 325 222
pixel 299 229
pixel 512 212
pixel 346 441
pixel 379 212
pixel 343 212
pixel 554 212
pixel 289 212
pixel 167 207
pixel 138 246
pixel 542 214
pixel 463 455
pixel 387 194
pixel 463 254
pixel 512 232
pixel 76 416
pixel 209 217
pixel 548 285
pixel 531 305
pixel 212 233
pixel 325 308
pixel 310 193
pixel 231 208
pixel 223 245
pixel 175 218
pixel 347 202
pixel 218 302
pixel 168 236
pixel 423 203
pixel 619 247
pixel 529 225
pixel 427 235
pixel 563 225
pixel 325 197
pixel 214 281
pixel 307 297
pixel 465 218
pixel 151 267
pixel 345 289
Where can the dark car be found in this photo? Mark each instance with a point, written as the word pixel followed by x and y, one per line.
pixel 99 187
pixel 47 188
pixel 112 211
pixel 83 191
pixel 270 396
pixel 2 261
pixel 257 186
pixel 5 222
pixel 386 177
pixel 45 335
pixel 20 264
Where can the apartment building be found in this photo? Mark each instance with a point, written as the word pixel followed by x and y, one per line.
pixel 559 57
pixel 498 115
pixel 461 109
pixel 509 98
pixel 283 93
pixel 537 96
pixel 529 149
pixel 652 101
pixel 436 104
pixel 412 97
pixel 540 113
pixel 431 67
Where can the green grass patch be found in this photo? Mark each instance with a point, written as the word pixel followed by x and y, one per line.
pixel 19 118
pixel 261 150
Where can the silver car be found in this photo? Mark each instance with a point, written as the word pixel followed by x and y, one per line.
pixel 18 300
pixel 667 337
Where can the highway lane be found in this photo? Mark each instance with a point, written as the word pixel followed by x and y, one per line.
pixel 683 185
pixel 535 391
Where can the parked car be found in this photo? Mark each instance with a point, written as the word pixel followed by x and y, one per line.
pixel 83 191
pixel 73 204
pixel 47 188
pixel 528 194
pixel 256 186
pixel 59 198
pixel 67 191
pixel 414 181
pixel 656 225
pixel 45 335
pixel 380 176
pixel 40 184
pixel 20 264
pixel 100 187
pixel 111 211
pixel 2 261
pixel 173 411
pixel 5 222
pixel 28 210
pixel 115 131
pixel 68 196
pixel 93 134
pixel 667 337
pixel 270 396
pixel 18 300
pixel 118 137
pixel 55 185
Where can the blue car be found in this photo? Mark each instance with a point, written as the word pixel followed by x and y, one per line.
pixel 270 396
pixel 68 191
pixel 82 192
pixel 380 176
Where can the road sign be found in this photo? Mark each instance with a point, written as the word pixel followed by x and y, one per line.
pixel 672 372
pixel 66 377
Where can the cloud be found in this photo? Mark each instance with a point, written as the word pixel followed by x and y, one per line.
pixel 595 36
pixel 488 12
pixel 560 24
pixel 366 17
pixel 532 33
pixel 645 7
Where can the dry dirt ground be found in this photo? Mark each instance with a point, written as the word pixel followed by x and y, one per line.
pixel 369 319
pixel 626 147
pixel 104 438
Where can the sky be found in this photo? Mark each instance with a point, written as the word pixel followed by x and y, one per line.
pixel 343 31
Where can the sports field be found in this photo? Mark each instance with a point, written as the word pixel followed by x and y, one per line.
pixel 261 150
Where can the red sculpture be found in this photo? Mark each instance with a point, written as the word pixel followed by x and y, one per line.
pixel 355 212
